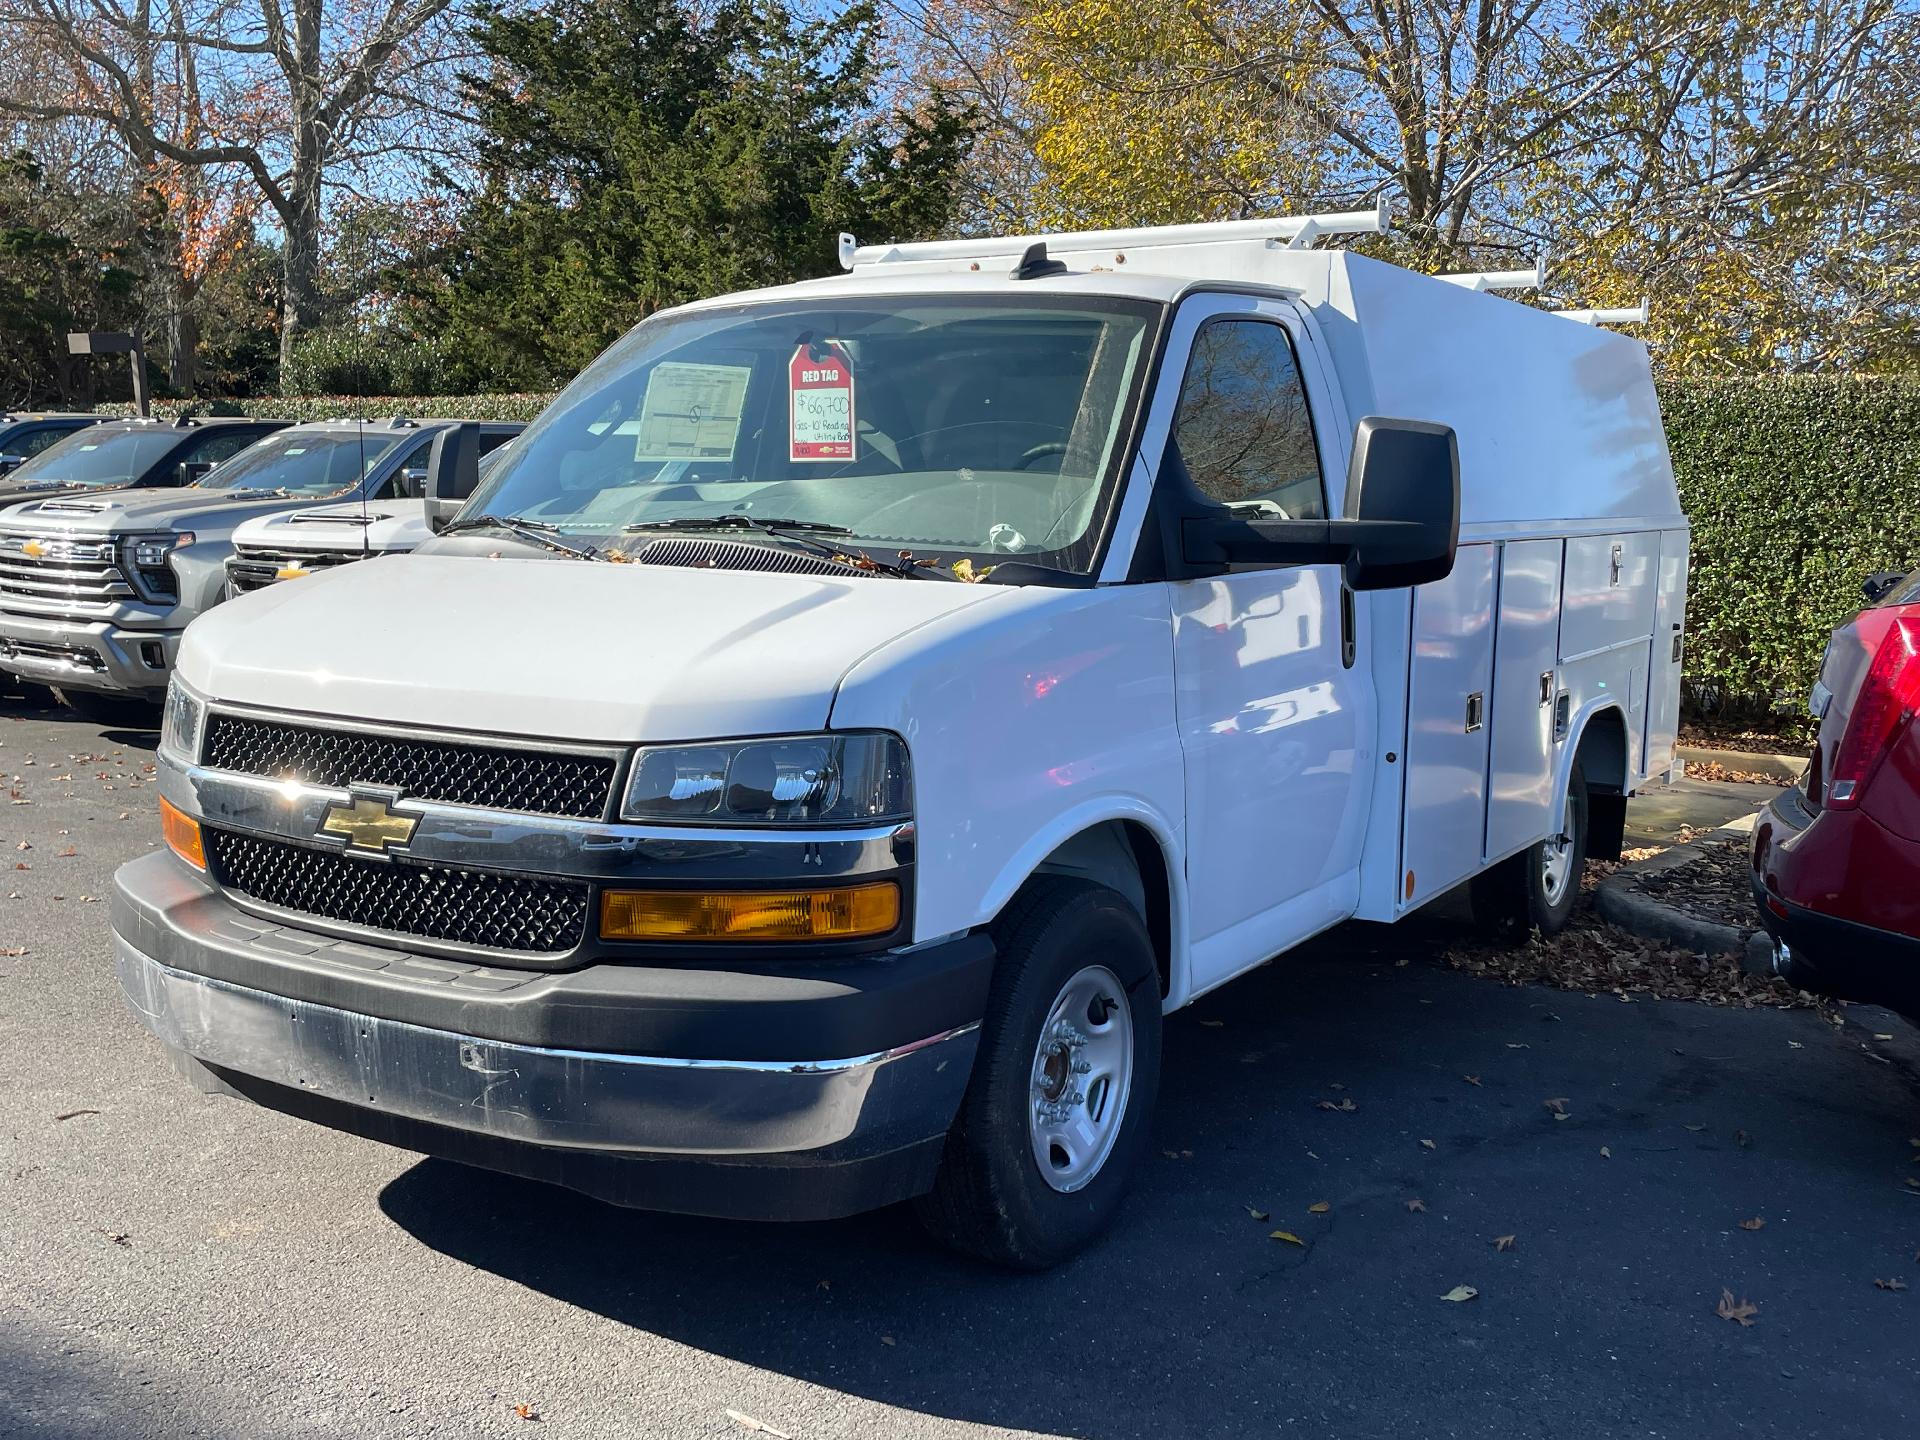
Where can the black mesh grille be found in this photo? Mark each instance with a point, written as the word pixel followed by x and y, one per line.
pixel 439 902
pixel 498 778
pixel 732 555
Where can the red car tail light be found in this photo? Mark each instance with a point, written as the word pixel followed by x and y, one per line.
pixel 1889 696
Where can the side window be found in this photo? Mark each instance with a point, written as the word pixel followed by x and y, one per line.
pixel 402 486
pixel 211 449
pixel 490 441
pixel 1242 427
pixel 34 441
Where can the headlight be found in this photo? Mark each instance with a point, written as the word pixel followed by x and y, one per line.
pixel 851 779
pixel 180 723
pixel 150 552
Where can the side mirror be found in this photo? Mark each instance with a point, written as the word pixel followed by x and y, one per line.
pixel 1401 526
pixel 453 473
pixel 10 463
pixel 413 483
pixel 1875 587
pixel 188 472
pixel 1403 503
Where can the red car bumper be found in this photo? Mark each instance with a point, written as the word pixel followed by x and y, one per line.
pixel 1840 894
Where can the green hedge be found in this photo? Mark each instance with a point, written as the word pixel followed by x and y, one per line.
pixel 1798 488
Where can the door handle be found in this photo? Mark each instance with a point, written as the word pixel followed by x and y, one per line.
pixel 1476 711
pixel 1348 640
pixel 1546 687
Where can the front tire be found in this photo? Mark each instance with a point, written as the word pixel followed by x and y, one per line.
pixel 117 712
pixel 1056 1115
pixel 1538 888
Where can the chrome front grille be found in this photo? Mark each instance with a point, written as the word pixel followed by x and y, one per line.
pixel 53 571
pixel 528 914
pixel 497 777
pixel 254 567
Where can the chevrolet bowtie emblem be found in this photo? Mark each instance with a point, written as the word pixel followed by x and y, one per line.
pixel 368 825
pixel 33 548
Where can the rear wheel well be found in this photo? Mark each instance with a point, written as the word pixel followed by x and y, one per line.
pixel 1124 856
pixel 1603 762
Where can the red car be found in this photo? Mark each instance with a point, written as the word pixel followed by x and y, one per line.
pixel 1836 859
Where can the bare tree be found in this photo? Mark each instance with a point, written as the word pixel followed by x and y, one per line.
pixel 286 97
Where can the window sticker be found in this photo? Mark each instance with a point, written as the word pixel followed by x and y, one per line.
pixel 692 412
pixel 820 400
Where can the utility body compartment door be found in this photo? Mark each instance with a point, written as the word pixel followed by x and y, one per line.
pixel 1521 805
pixel 1443 817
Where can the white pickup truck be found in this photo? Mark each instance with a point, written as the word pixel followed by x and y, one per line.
pixel 854 713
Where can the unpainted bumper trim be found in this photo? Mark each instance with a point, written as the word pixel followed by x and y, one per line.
pixel 556 1098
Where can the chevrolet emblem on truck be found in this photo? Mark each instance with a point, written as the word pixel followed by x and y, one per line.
pixel 367 824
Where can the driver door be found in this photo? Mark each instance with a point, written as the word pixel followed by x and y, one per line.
pixel 1269 702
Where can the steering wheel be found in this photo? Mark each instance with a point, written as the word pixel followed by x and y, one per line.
pixel 1036 452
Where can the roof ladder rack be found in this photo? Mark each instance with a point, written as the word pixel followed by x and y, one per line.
pixel 1295 232
pixel 1534 279
pixel 1618 315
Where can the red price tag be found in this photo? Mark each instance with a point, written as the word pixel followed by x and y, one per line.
pixel 820 403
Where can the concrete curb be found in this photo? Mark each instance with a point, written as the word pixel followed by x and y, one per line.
pixel 1787 767
pixel 1640 914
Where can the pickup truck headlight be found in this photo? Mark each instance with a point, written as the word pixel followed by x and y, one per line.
pixel 180 723
pixel 150 552
pixel 842 779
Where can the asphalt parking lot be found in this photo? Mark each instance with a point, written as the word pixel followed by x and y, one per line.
pixel 178 1266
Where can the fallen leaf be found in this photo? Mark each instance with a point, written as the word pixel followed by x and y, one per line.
pixel 1345 1107
pixel 1461 1293
pixel 1419 1207
pixel 1428 1145
pixel 12 952
pixel 1213 1024
pixel 1558 1105
pixel 1742 1312
pixel 1503 1242
pixel 1696 1128
pixel 75 1114
pixel 1257 1214
pixel 1289 1237
pixel 886 1339
pixel 1605 1153
pixel 526 1412
pixel 1512 1046
pixel 759 1427
pixel 1795 1045
pixel 1756 1223
pixel 120 1238
pixel 1883 1037
pixel 1471 1079
pixel 1561 1115
pixel 23 845
pixel 1894 1284
pixel 1320 1207
pixel 1742 1139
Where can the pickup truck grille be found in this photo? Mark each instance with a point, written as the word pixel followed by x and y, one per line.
pixel 254 567
pixel 52 571
pixel 531 915
pixel 539 782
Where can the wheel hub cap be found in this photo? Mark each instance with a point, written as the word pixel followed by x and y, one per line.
pixel 1082 1072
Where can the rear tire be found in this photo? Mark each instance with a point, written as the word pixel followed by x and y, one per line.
pixel 1056 1115
pixel 1538 888
pixel 118 712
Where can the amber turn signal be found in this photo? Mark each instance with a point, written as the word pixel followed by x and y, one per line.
pixel 847 914
pixel 182 834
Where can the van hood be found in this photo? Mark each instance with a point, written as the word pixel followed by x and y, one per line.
pixel 125 512
pixel 564 649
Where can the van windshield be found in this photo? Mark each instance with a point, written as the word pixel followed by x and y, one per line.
pixel 94 457
pixel 301 462
pixel 949 427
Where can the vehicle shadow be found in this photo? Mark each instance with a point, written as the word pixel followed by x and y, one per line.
pixel 1191 1319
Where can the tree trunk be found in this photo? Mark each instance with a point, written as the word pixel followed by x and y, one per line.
pixel 299 272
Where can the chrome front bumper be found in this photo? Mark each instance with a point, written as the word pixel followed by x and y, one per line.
pixel 88 655
pixel 538 1096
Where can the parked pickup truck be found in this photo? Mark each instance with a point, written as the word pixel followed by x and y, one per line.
pixel 131 454
pixel 97 589
pixel 854 713
pixel 25 435
pixel 293 544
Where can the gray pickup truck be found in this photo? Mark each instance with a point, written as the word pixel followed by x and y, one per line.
pixel 97 588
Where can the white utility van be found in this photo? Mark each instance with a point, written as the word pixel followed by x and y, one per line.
pixel 854 713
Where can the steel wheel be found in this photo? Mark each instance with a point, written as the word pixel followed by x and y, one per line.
pixel 1556 856
pixel 1082 1072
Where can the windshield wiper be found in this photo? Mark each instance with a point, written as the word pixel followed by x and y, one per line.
pixel 538 532
pixel 790 532
pixel 734 520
